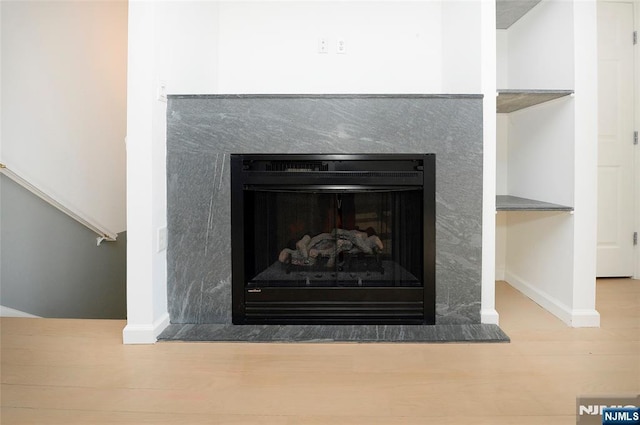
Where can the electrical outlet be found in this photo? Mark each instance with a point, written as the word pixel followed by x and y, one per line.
pixel 162 239
pixel 323 45
pixel 341 46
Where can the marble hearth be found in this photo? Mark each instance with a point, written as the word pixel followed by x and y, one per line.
pixel 203 130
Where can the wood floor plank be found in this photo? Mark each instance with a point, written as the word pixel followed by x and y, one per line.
pixel 64 417
pixel 79 372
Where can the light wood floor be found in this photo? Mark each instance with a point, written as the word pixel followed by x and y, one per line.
pixel 78 372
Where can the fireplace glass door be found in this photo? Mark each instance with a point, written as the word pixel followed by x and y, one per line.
pixel 333 238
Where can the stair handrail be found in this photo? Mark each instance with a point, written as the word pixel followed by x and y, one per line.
pixel 103 233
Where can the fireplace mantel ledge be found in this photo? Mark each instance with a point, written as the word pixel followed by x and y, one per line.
pixel 326 96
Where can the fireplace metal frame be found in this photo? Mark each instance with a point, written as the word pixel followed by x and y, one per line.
pixel 333 305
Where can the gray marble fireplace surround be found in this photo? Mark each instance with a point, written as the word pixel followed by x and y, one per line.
pixel 202 130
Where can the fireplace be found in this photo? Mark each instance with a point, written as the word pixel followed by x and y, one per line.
pixel 334 239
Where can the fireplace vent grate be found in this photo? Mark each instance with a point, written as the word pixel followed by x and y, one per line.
pixel 405 174
pixel 296 166
pixel 335 312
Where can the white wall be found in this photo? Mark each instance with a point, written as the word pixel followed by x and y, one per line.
pixel 273 47
pixel 540 47
pixel 391 47
pixel 466 45
pixel 501 245
pixel 502 153
pixel 540 258
pixel 197 47
pixel 488 60
pixel 586 164
pixel 64 102
pixel 187 45
pixel 502 146
pixel 541 151
pixel 502 160
pixel 147 312
pixel 502 67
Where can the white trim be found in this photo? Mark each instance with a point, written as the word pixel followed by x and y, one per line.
pixel 12 312
pixel 585 319
pixel 145 334
pixel 579 318
pixel 549 303
pixel 489 316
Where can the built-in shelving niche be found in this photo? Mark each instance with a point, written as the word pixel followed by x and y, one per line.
pixel 511 101
pixel 538 153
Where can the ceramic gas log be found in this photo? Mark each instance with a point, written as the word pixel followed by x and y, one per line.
pixel 330 245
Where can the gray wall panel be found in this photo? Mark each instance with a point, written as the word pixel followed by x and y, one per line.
pixel 204 130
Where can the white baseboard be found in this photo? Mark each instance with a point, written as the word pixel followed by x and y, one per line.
pixel 500 273
pixel 12 312
pixel 489 316
pixel 585 319
pixel 578 318
pixel 145 334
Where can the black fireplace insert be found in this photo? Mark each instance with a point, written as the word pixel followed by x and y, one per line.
pixel 333 238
